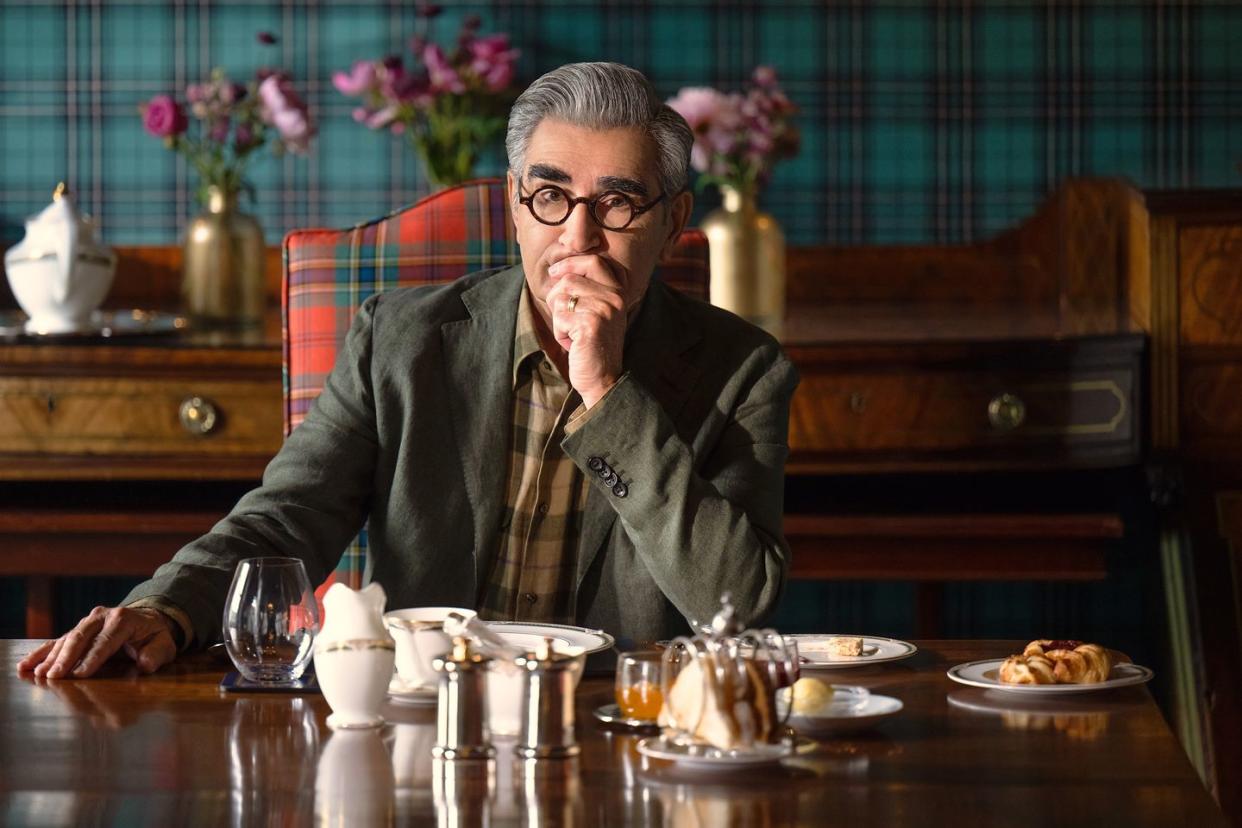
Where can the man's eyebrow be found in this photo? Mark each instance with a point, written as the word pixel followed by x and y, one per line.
pixel 625 185
pixel 548 173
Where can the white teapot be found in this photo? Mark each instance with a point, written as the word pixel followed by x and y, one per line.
pixel 354 655
pixel 58 272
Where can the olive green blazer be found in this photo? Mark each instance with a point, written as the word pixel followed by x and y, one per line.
pixel 412 432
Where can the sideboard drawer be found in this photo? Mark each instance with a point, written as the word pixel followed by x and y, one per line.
pixel 1031 409
pixel 139 416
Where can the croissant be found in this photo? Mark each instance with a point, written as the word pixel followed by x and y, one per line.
pixel 1070 662
pixel 1021 669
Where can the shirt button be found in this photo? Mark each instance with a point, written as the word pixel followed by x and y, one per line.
pixel 543 508
pixel 530 597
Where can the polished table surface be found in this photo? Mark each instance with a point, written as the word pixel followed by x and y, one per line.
pixel 172 749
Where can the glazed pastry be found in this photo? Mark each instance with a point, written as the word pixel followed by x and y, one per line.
pixel 1074 662
pixel 1022 669
pixel 1041 646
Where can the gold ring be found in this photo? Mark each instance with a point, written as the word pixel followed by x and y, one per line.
pixel 573 303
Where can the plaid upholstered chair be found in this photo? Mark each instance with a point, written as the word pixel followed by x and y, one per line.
pixel 329 273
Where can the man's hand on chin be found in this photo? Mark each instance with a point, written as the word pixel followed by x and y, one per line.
pixel 588 320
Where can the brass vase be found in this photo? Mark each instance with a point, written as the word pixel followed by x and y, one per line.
pixel 222 271
pixel 747 250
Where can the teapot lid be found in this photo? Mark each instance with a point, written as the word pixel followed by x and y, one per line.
pixel 62 210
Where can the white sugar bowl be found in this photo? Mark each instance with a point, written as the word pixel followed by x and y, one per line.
pixel 58 273
pixel 354 656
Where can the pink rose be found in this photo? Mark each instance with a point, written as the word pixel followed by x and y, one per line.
pixel 163 117
pixel 359 79
pixel 283 109
pixel 698 105
pixel 492 60
pixel 244 138
pixel 442 74
pixel 219 131
pixel 381 117
pixel 294 128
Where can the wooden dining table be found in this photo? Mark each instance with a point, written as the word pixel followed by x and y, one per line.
pixel 172 748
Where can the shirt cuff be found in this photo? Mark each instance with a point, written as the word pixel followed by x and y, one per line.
pixel 172 611
pixel 582 415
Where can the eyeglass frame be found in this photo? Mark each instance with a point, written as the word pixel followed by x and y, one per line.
pixel 590 202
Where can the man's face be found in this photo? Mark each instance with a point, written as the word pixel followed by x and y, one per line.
pixel 587 162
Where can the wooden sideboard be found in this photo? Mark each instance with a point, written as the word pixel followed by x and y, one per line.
pixel 1102 334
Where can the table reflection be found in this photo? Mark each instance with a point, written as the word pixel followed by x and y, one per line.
pixel 272 744
pixel 1077 719
pixel 354 782
pixel 464 791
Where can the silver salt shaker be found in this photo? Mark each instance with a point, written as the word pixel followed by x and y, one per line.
pixel 549 679
pixel 461 725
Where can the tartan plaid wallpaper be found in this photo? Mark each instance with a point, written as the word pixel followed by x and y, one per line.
pixel 922 121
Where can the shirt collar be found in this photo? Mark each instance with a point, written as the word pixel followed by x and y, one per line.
pixel 525 336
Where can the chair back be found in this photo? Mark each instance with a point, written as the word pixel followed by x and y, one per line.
pixel 328 274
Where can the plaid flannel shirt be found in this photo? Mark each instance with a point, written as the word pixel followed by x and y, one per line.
pixel 533 577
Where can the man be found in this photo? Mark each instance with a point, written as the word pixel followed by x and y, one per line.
pixel 567 441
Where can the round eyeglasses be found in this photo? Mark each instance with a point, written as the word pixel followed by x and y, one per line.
pixel 611 210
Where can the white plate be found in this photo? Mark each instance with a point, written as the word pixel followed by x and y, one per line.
pixel 839 719
pixel 986 674
pixel 591 641
pixel 813 650
pixel 696 757
pixel 401 693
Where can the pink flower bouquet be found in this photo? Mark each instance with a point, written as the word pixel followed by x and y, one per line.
pixel 449 104
pixel 739 137
pixel 233 121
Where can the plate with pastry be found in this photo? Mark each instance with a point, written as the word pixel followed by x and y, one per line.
pixel 1053 667
pixel 832 652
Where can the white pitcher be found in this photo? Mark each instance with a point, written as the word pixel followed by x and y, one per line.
pixel 354 655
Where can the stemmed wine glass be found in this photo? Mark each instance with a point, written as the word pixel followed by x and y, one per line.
pixel 270 619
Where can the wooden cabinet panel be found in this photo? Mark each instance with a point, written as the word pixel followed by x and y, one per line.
pixel 959 410
pixel 136 416
pixel 1211 406
pixel 1209 274
pixel 1060 403
pixel 96 410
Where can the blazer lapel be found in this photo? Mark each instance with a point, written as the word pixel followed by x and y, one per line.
pixel 654 356
pixel 478 364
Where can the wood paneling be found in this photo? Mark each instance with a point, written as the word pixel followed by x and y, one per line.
pixel 1209 281
pixel 1211 408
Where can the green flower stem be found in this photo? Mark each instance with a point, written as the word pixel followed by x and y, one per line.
pixel 452 135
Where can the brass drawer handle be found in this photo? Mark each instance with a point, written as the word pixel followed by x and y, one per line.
pixel 1006 412
pixel 199 416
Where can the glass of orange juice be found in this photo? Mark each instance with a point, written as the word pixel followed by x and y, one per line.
pixel 638 685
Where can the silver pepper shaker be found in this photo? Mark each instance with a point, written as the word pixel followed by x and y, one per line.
pixel 548 703
pixel 461 726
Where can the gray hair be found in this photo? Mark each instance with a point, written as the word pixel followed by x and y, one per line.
pixel 602 96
